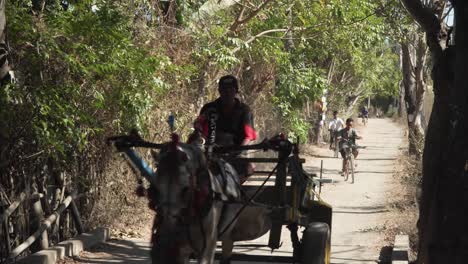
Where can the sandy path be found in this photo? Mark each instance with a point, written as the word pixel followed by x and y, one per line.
pixel 359 209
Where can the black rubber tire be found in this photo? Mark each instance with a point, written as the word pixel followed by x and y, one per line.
pixel 316 244
pixel 351 167
pixel 346 172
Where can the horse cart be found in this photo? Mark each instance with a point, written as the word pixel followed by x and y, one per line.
pixel 293 199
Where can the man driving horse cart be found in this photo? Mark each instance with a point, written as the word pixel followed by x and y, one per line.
pixel 232 120
pixel 199 200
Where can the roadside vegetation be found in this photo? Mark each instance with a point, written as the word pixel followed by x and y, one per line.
pixel 403 202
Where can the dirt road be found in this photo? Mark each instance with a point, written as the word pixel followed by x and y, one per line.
pixel 359 209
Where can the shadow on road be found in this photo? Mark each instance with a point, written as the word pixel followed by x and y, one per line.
pixel 376 159
pixel 360 209
pixel 324 171
pixel 116 251
pixel 355 212
pixel 376 172
pixel 352 253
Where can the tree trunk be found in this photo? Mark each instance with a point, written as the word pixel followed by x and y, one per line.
pixel 352 103
pixel 433 160
pixel 446 234
pixel 4 66
pixel 289 43
pixel 442 225
pixel 414 86
pixel 401 101
pixel 442 221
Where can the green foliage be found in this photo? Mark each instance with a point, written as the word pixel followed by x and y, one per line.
pixel 340 45
pixel 94 68
pixel 80 63
pixel 296 86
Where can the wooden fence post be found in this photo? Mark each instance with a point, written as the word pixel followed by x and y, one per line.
pixel 76 217
pixel 5 223
pixel 44 226
pixel 6 226
pixel 43 242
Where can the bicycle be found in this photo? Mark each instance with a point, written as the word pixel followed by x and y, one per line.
pixel 365 120
pixel 349 157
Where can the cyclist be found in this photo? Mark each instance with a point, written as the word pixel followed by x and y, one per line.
pixel 349 135
pixel 234 120
pixel 364 114
pixel 336 124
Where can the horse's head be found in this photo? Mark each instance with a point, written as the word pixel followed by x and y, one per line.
pixel 179 166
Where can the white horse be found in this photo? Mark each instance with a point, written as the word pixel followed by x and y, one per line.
pixel 187 213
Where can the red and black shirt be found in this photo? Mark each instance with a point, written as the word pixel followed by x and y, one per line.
pixel 238 124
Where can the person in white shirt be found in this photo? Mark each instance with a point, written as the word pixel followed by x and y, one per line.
pixel 336 124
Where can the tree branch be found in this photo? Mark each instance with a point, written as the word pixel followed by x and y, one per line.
pixel 238 19
pixel 241 21
pixel 428 22
pixel 250 40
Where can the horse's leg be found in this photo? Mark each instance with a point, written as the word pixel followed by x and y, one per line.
pixel 183 258
pixel 228 246
pixel 210 224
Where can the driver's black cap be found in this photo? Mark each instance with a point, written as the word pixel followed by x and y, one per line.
pixel 228 81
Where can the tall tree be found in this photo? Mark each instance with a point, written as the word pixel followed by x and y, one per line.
pixel 4 66
pixel 413 66
pixel 4 75
pixel 413 62
pixel 442 225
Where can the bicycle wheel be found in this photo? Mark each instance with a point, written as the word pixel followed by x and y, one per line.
pixel 346 172
pixel 335 154
pixel 351 167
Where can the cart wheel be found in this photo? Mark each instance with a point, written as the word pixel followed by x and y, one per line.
pixel 316 244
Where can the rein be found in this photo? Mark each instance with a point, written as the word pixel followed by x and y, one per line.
pixel 199 202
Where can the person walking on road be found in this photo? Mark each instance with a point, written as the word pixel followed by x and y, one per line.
pixel 336 124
